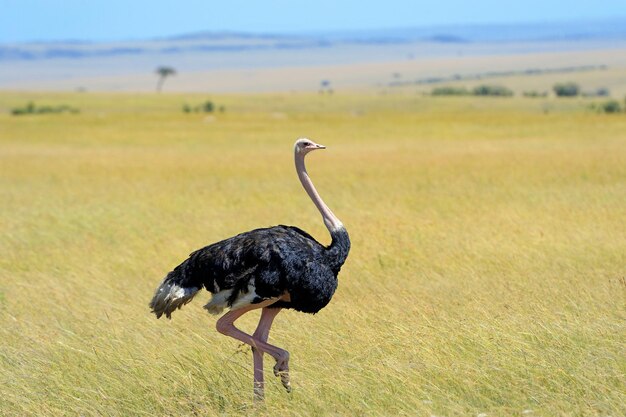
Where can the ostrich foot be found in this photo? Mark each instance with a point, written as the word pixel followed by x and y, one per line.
pixel 259 392
pixel 281 369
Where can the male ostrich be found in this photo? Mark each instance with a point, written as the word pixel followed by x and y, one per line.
pixel 272 268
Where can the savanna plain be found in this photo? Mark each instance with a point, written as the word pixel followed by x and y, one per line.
pixel 487 274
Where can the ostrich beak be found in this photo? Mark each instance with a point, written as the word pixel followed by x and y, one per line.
pixel 318 146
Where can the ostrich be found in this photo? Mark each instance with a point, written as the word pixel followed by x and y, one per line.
pixel 268 269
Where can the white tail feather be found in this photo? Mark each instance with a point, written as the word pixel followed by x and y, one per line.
pixel 169 297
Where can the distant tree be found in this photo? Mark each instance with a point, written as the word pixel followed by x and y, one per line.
pixel 163 73
pixel 325 87
pixel 566 89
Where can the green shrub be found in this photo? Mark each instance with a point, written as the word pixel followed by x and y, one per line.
pixel 492 90
pixel 206 107
pixel 18 111
pixel 535 94
pixel 31 108
pixel 566 89
pixel 449 91
pixel 599 92
pixel 611 106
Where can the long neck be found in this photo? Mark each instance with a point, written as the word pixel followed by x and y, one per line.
pixel 330 220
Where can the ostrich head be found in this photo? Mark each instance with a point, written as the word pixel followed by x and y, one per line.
pixel 305 145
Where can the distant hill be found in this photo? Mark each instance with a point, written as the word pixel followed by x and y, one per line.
pixel 211 42
pixel 415 58
pixel 605 29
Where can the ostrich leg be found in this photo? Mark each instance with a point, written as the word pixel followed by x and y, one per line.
pixel 225 326
pixel 262 333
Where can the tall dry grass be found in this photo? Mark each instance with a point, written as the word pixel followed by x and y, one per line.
pixel 487 274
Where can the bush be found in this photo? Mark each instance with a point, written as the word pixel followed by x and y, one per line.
pixel 603 92
pixel 18 111
pixel 206 107
pixel 535 94
pixel 481 90
pixel 600 92
pixel 31 108
pixel 566 89
pixel 492 90
pixel 611 106
pixel 449 91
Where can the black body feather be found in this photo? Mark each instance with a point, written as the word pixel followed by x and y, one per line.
pixel 273 261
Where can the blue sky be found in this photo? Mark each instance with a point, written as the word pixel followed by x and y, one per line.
pixel 29 20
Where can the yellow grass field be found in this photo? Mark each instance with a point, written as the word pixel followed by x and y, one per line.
pixel 487 274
